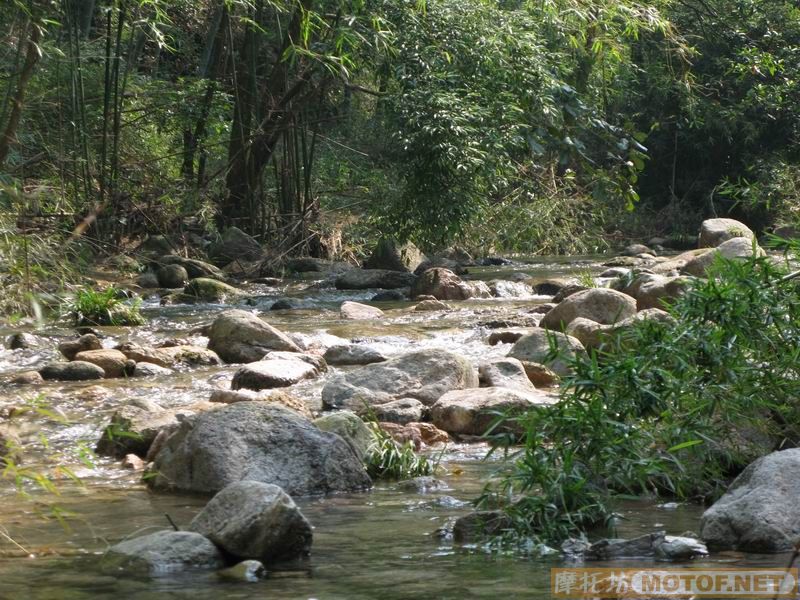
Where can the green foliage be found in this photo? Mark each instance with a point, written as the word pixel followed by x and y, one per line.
pixel 387 459
pixel 92 307
pixel 665 408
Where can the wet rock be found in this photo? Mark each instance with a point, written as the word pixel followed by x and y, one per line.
pixel 738 248
pixel 352 354
pixel 392 256
pixel 317 362
pixel 255 520
pixel 307 264
pixel 357 311
pixel 416 434
pixel 441 263
pixel 148 369
pixel 652 291
pixel 480 526
pixel 535 348
pixel 539 375
pixel 593 335
pixel 589 333
pixel 495 261
pixel 569 289
pixel 390 296
pixel 27 378
pixel 87 341
pixel 277 396
pixel 283 304
pixel 446 285
pixel 169 356
pixel 113 362
pixel 505 372
pixel 431 305
pixel 680 548
pixel 164 552
pixel 506 337
pixel 260 442
pixel 133 429
pixel 636 249
pixel 172 276
pixel 714 232
pixel 133 462
pixel 422 485
pixel 155 245
pixel 614 272
pixel 472 412
pixel 239 336
pixel 362 279
pixel 550 287
pixel 758 512
pixel 203 289
pixel 543 309
pixel 510 289
pixel 351 429
pixel 234 244
pixel 148 280
pixel 423 375
pixel 657 544
pixel 402 412
pixel 22 341
pixel 76 370
pixel 601 305
pixel 247 571
pixel 195 268
pixel 267 374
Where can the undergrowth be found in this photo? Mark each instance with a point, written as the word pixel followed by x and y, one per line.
pixel 106 307
pixel 388 459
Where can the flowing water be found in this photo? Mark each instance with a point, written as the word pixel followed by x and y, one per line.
pixel 380 544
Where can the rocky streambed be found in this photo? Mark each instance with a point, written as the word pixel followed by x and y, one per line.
pixel 218 388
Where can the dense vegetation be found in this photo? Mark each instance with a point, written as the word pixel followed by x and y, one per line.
pixel 675 408
pixel 508 126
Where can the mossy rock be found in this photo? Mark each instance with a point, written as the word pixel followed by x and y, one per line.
pixel 209 290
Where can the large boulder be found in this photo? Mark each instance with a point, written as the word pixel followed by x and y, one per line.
pixel 234 244
pixel 362 279
pixel 401 412
pixel 423 375
pixel 273 373
pixel 651 290
pixel 350 427
pixel 172 276
pixel 472 412
pixel 535 348
pixel 113 362
pixel 251 519
pixel 443 284
pixel 77 370
pixel 593 335
pixel 601 305
pixel 391 256
pixel 205 289
pixel 238 336
pixel 758 513
pixel 738 248
pixel 164 552
pixel 505 372
pixel 715 231
pixel 256 441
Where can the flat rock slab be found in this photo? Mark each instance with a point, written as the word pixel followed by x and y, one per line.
pixel 356 311
pixel 268 374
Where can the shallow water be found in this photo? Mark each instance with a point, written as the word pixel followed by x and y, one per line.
pixel 379 544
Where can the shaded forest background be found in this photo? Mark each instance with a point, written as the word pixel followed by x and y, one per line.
pixel 543 126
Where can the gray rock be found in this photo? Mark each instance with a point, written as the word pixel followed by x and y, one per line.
pixel 308 264
pixel 636 249
pixel 205 289
pixel 758 512
pixel 431 305
pixel 535 348
pixel 87 341
pixel 22 341
pixel 234 244
pixel 351 429
pixel 261 442
pixel 446 285
pixel 391 256
pixel 548 287
pixel 652 291
pixel 423 485
pixel 195 268
pixel 715 231
pixel 273 373
pixel 172 276
pixel 148 279
pixel 357 311
pixel 362 279
pixel 283 304
pixel 738 248
pixel 601 305
pixel 27 378
pixel 506 337
pixel 146 369
pixel 164 552
pixel 239 336
pixel 680 548
pixel 480 526
pixel 390 296
pixel 402 412
pixel 317 362
pixel 423 375
pixel 569 289
pixel 77 370
pixel 593 335
pixel 505 372
pixel 247 571
pixel 652 545
pixel 352 354
pixel 254 520
pixel 133 429
pixel 473 411
pixel 170 356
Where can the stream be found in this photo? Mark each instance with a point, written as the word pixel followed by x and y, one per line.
pixel 379 544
